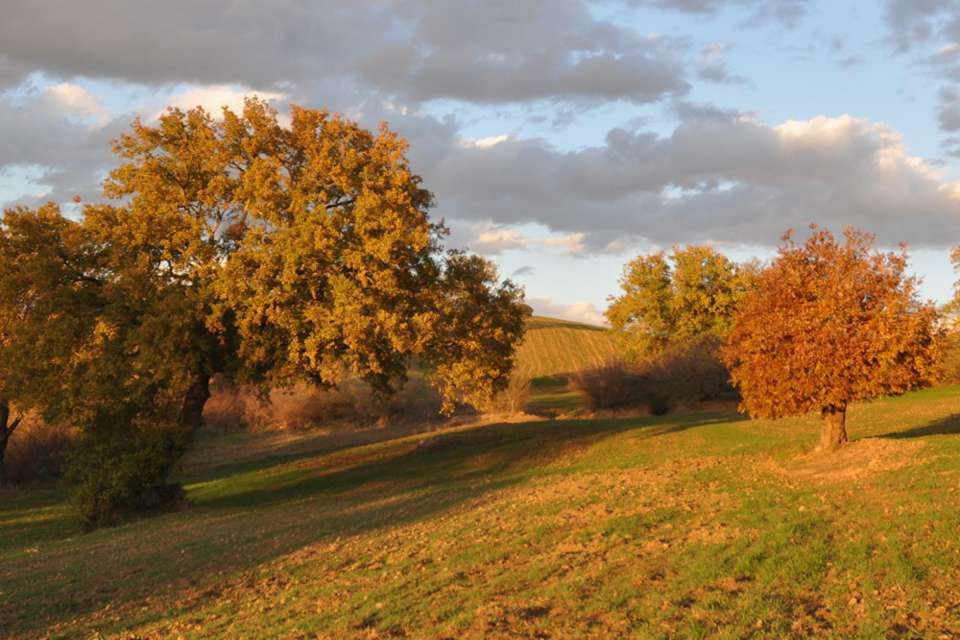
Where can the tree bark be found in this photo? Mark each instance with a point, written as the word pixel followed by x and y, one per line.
pixel 191 411
pixel 833 433
pixel 4 437
pixel 5 431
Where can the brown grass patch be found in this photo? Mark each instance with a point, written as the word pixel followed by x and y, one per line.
pixel 853 461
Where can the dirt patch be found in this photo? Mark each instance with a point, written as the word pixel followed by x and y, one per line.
pixel 853 461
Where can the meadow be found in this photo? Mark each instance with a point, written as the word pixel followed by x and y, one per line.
pixel 692 525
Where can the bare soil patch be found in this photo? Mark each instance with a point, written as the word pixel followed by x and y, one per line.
pixel 853 461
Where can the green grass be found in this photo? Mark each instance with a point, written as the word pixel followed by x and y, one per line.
pixel 700 525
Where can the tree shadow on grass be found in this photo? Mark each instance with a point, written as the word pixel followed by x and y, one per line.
pixel 451 459
pixel 949 425
pixel 273 510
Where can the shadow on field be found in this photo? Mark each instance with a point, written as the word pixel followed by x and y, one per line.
pixel 945 426
pixel 447 460
pixel 274 510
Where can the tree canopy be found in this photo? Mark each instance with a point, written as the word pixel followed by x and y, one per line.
pixel 237 245
pixel 667 300
pixel 827 324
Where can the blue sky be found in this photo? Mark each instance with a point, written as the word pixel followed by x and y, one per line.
pixel 561 137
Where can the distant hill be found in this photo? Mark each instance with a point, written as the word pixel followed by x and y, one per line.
pixel 554 347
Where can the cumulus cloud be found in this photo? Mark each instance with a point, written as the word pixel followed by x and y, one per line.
pixel 585 312
pixel 214 97
pixel 78 100
pixel 56 141
pixel 491 239
pixel 471 50
pixel 732 179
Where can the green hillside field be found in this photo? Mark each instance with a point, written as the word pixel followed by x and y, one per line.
pixel 692 525
pixel 559 347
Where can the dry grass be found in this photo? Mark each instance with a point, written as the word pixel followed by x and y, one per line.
pixel 680 526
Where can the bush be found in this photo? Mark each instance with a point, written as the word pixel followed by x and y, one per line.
pixel 950 365
pixel 513 399
pixel 229 407
pixel 683 375
pixel 37 450
pixel 692 373
pixel 304 406
pixel 120 465
pixel 614 385
pixel 417 401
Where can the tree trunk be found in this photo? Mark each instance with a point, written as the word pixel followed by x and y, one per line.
pixel 833 434
pixel 4 438
pixel 191 411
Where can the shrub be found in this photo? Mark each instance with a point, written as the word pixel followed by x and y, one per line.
pixel 229 407
pixel 120 464
pixel 692 373
pixel 615 385
pixel 307 407
pixel 417 401
pixel 37 450
pixel 304 406
pixel 513 399
pixel 950 365
pixel 683 375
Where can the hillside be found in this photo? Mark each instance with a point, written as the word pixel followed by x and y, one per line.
pixel 690 525
pixel 555 347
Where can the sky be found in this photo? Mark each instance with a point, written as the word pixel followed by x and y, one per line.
pixel 561 137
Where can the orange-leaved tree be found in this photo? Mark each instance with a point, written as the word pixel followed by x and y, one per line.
pixel 830 323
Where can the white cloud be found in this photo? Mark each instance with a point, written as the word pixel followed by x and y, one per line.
pixel 496 239
pixel 74 98
pixel 571 242
pixel 717 176
pixel 490 239
pixel 585 312
pixel 214 97
pixel 486 143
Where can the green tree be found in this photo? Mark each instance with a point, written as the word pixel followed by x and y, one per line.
pixel 682 299
pixel 828 324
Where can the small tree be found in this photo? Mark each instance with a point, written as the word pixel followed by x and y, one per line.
pixel 687 297
pixel 829 324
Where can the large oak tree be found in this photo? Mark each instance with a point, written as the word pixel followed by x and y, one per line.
pixel 240 246
pixel 830 323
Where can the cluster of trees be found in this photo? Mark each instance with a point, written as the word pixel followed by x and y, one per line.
pixel 238 246
pixel 273 255
pixel 827 323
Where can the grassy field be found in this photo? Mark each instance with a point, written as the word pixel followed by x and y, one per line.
pixel 556 347
pixel 685 526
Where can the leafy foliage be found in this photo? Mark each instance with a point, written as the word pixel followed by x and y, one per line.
pixel 239 246
pixel 829 324
pixel 677 299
